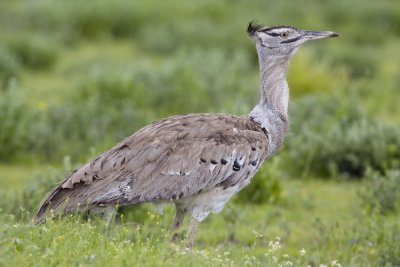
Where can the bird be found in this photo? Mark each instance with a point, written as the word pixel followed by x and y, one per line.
pixel 195 161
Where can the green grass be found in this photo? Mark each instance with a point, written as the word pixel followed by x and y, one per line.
pixel 314 215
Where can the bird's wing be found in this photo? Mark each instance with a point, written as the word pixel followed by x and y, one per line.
pixel 170 159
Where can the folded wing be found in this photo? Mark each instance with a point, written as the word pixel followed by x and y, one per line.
pixel 174 158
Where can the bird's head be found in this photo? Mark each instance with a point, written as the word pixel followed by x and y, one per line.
pixel 283 40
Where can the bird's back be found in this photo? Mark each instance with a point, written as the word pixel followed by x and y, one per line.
pixel 172 159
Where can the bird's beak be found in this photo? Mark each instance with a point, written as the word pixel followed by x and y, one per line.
pixel 313 35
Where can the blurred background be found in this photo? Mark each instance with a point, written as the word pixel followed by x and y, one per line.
pixel 78 76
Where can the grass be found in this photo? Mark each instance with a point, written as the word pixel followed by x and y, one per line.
pixel 308 209
pixel 314 215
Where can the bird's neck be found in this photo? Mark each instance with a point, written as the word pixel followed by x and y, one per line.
pixel 272 111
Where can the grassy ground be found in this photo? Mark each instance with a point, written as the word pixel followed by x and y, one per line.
pixel 324 219
pixel 311 216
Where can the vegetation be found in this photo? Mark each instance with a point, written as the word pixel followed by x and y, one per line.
pixel 76 77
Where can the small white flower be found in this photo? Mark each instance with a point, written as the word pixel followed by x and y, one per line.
pixel 257 234
pixel 302 252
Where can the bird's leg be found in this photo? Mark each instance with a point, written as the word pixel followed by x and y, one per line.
pixel 179 216
pixel 193 228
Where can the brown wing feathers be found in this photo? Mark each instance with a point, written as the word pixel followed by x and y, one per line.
pixel 168 159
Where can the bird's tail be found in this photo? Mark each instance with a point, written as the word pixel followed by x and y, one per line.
pixel 59 202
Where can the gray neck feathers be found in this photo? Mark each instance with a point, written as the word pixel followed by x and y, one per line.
pixel 272 111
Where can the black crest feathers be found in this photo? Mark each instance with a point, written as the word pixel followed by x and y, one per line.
pixel 253 27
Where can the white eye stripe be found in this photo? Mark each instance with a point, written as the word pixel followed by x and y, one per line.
pixel 282 30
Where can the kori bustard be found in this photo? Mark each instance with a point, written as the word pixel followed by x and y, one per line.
pixel 196 161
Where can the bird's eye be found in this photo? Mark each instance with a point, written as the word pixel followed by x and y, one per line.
pixel 284 35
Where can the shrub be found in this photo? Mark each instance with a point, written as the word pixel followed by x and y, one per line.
pixel 15 119
pixel 382 191
pixel 81 129
pixel 333 136
pixel 9 66
pixel 265 187
pixel 33 52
